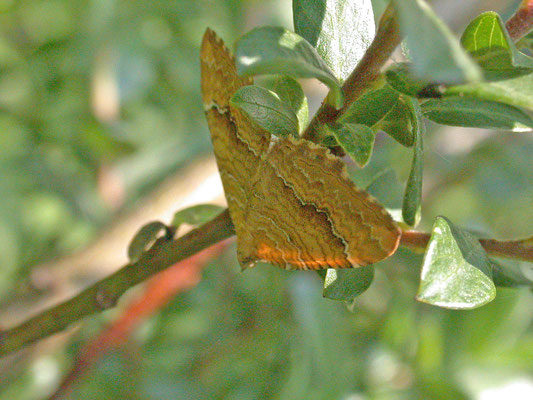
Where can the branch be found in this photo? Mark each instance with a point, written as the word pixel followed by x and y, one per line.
pixel 364 75
pixel 521 23
pixel 105 293
pixel 158 292
pixel 163 254
pixel 56 280
pixel 521 250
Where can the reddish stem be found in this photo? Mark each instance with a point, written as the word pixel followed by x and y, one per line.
pixel 521 23
pixel 159 291
pixel 515 249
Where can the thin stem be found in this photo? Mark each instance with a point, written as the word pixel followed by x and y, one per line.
pixel 521 23
pixel 515 249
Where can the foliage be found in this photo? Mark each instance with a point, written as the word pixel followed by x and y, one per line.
pixel 440 63
pixel 268 333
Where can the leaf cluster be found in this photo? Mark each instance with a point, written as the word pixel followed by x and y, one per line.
pixel 482 80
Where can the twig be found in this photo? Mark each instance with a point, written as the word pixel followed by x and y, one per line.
pixel 364 75
pixel 163 254
pixel 521 23
pixel 515 249
pixel 105 293
pixel 160 289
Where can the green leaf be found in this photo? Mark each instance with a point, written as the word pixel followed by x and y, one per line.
pixel 398 123
pixel 267 110
pixel 486 39
pixel 401 78
pixel 356 140
pixel 273 50
pixel 412 199
pixel 291 93
pixel 456 271
pixel 371 107
pixel 346 284
pixel 144 238
pixel 196 215
pixel 340 30
pixel 506 273
pixel 329 139
pixel 476 113
pixel 436 53
pixel 387 189
pixel 515 91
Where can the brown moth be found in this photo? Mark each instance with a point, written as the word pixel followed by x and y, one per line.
pixel 290 200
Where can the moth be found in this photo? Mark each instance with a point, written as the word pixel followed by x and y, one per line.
pixel 291 201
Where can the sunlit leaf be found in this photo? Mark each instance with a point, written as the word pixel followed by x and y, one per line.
pixel 456 271
pixel 515 91
pixel 340 30
pixel 488 42
pixel 273 50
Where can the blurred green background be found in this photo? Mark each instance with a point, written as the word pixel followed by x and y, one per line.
pixel 93 86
